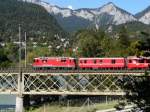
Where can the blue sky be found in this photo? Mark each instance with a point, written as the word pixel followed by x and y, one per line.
pixel 132 6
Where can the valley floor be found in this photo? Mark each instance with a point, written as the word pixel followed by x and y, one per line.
pixel 82 108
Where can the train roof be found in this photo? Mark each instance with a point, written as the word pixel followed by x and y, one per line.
pixel 135 57
pixel 54 58
pixel 104 58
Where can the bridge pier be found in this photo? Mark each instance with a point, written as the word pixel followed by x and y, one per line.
pixel 19 104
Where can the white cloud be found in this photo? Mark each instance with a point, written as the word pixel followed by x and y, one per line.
pixel 70 7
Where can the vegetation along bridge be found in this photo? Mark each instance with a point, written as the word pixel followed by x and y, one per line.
pixel 64 82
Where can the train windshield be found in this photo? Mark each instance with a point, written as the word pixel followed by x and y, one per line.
pixel 35 60
pixel 147 60
pixel 63 60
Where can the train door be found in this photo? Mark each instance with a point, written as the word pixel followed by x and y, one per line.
pixel 63 63
pixel 148 63
pixel 126 61
pixel 147 60
pixel 75 60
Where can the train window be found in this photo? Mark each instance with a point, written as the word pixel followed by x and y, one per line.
pixel 113 61
pixel 44 61
pixel 100 61
pixel 80 61
pixel 130 61
pixel 94 61
pixel 141 61
pixel 63 60
pixel 85 61
pixel 36 60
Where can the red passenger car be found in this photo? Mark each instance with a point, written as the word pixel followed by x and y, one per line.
pixel 101 63
pixel 138 63
pixel 54 62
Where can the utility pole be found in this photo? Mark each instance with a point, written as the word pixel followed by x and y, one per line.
pixel 25 49
pixel 19 97
pixel 20 48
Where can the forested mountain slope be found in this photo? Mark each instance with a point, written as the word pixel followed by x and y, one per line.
pixel 34 19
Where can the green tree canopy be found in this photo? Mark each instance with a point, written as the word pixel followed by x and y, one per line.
pixel 89 44
pixel 4 61
pixel 123 40
pixel 138 92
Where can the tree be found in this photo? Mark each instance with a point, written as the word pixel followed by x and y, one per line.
pixel 89 44
pixel 138 92
pixel 123 40
pixel 38 52
pixel 140 47
pixel 145 42
pixel 107 45
pixel 4 61
pixel 134 48
pixel 12 51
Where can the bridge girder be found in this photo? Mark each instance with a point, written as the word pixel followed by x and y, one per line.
pixel 67 83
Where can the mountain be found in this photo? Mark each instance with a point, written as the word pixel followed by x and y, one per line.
pixel 34 19
pixel 118 15
pixel 67 18
pixel 81 18
pixel 133 27
pixel 107 15
pixel 144 16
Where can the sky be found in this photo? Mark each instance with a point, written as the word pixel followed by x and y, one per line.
pixel 132 6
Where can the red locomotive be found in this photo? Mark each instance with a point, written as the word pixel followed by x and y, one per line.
pixel 54 62
pixel 138 63
pixel 91 63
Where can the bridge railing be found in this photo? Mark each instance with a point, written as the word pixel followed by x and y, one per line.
pixel 73 82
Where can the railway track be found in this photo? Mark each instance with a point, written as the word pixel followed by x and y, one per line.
pixel 30 70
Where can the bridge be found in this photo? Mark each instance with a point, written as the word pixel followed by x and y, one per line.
pixel 64 82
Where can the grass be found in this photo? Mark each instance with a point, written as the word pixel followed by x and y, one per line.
pixel 82 108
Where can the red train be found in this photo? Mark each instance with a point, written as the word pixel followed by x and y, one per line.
pixel 91 63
